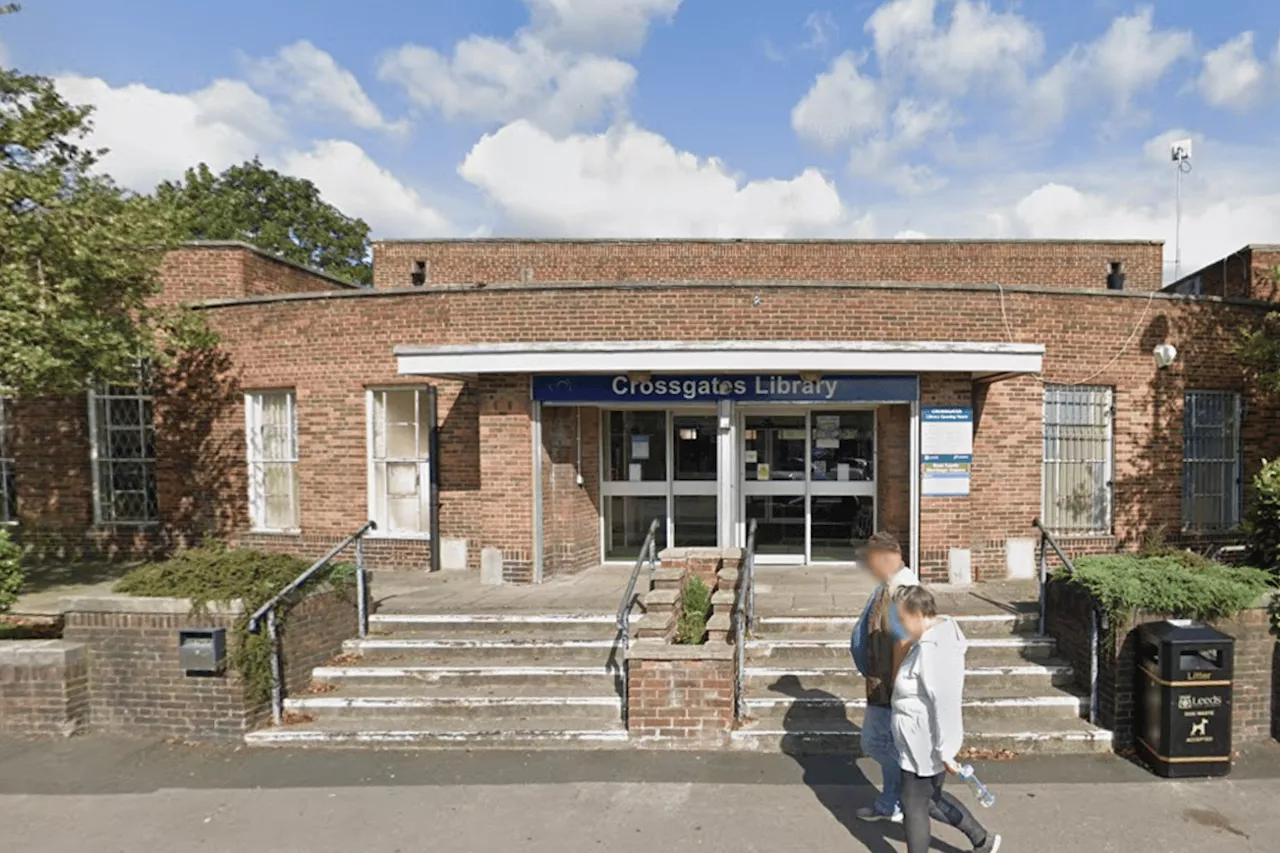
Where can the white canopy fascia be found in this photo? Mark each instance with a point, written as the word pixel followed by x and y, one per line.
pixel 978 359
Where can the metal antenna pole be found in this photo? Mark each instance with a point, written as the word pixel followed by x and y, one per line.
pixel 1177 228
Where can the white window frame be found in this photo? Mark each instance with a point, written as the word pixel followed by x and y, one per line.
pixel 98 454
pixel 257 460
pixel 1079 450
pixel 1231 466
pixel 8 464
pixel 377 503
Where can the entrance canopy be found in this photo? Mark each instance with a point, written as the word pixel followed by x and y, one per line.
pixel 979 360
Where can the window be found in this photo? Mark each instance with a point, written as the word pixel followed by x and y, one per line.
pixel 1211 461
pixel 8 496
pixel 1076 481
pixel 122 446
pixel 272 436
pixel 399 461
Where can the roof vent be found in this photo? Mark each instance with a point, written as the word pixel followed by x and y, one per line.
pixel 1115 278
pixel 420 273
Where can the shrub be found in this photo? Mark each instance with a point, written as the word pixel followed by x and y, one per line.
pixel 11 573
pixel 695 606
pixel 215 574
pixel 1263 524
pixel 1179 585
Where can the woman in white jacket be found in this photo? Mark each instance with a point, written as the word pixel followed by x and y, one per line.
pixel 927 724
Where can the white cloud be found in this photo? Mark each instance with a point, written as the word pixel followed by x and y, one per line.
pixel 558 72
pixel 349 179
pixel 1232 77
pixel 311 79
pixel 1129 58
pixel 632 182
pixel 822 29
pixel 975 43
pixel 597 25
pixel 156 135
pixel 842 106
pixel 492 81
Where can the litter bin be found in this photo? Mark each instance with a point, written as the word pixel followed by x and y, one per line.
pixel 1184 698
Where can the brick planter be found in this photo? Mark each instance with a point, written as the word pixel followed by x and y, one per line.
pixel 679 697
pixel 44 687
pixel 1255 695
pixel 136 686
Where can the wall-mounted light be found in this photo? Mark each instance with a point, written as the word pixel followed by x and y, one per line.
pixel 639 378
pixel 1164 354
pixel 811 376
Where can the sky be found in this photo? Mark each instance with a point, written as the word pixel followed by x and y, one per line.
pixel 699 118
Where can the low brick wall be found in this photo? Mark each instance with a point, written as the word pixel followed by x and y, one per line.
pixel 136 685
pixel 44 687
pixel 679 697
pixel 1255 694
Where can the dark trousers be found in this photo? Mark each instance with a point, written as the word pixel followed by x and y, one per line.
pixel 922 797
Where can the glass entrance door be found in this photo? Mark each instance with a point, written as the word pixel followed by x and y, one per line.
pixel 774 459
pixel 809 481
pixel 659 464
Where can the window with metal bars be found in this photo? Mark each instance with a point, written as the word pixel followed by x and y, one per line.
pixel 1077 480
pixel 271 424
pixel 8 494
pixel 399 460
pixel 1211 482
pixel 122 446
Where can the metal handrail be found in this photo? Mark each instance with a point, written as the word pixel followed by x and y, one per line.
pixel 1047 542
pixel 268 611
pixel 744 617
pixel 647 549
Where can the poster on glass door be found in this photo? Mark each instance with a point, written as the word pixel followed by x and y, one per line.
pixel 946 451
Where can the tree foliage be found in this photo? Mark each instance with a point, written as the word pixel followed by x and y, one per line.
pixel 79 257
pixel 277 213
pixel 1259 349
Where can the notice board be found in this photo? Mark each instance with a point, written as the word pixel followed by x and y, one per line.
pixel 946 450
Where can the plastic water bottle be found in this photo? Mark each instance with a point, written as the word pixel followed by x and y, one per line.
pixel 980 792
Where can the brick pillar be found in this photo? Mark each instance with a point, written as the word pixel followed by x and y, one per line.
pixel 44 687
pixel 505 506
pixel 679 697
pixel 1008 430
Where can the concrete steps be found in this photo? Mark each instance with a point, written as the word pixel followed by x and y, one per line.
pixel 802 694
pixel 483 680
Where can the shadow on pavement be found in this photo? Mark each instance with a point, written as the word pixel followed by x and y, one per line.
pixel 835 778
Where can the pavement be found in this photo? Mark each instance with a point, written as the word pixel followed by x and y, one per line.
pixel 113 794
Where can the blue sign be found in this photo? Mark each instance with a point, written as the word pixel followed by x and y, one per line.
pixel 744 387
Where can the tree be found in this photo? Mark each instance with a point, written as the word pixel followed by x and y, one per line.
pixel 79 257
pixel 277 213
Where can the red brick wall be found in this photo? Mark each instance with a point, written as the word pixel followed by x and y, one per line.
pixel 331 349
pixel 680 702
pixel 893 479
pixel 1248 274
pixel 137 687
pixel 1254 695
pixel 195 273
pixel 1062 264
pixel 44 687
pixel 570 512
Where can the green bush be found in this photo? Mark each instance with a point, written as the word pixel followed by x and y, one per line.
pixel 11 573
pixel 215 574
pixel 1182 585
pixel 695 607
pixel 1263 524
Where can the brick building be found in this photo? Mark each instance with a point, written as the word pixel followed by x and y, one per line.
pixel 550 398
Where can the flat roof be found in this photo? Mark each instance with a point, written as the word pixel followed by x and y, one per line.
pixel 784 240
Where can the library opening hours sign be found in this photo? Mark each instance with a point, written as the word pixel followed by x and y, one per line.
pixel 946 451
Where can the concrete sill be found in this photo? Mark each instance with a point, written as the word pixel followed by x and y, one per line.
pixel 658 650
pixel 138 604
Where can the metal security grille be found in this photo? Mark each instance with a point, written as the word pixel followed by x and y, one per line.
pixel 1211 460
pixel 8 495
pixel 273 460
pixel 1077 458
pixel 124 456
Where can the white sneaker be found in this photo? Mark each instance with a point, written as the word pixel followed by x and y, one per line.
pixel 870 815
